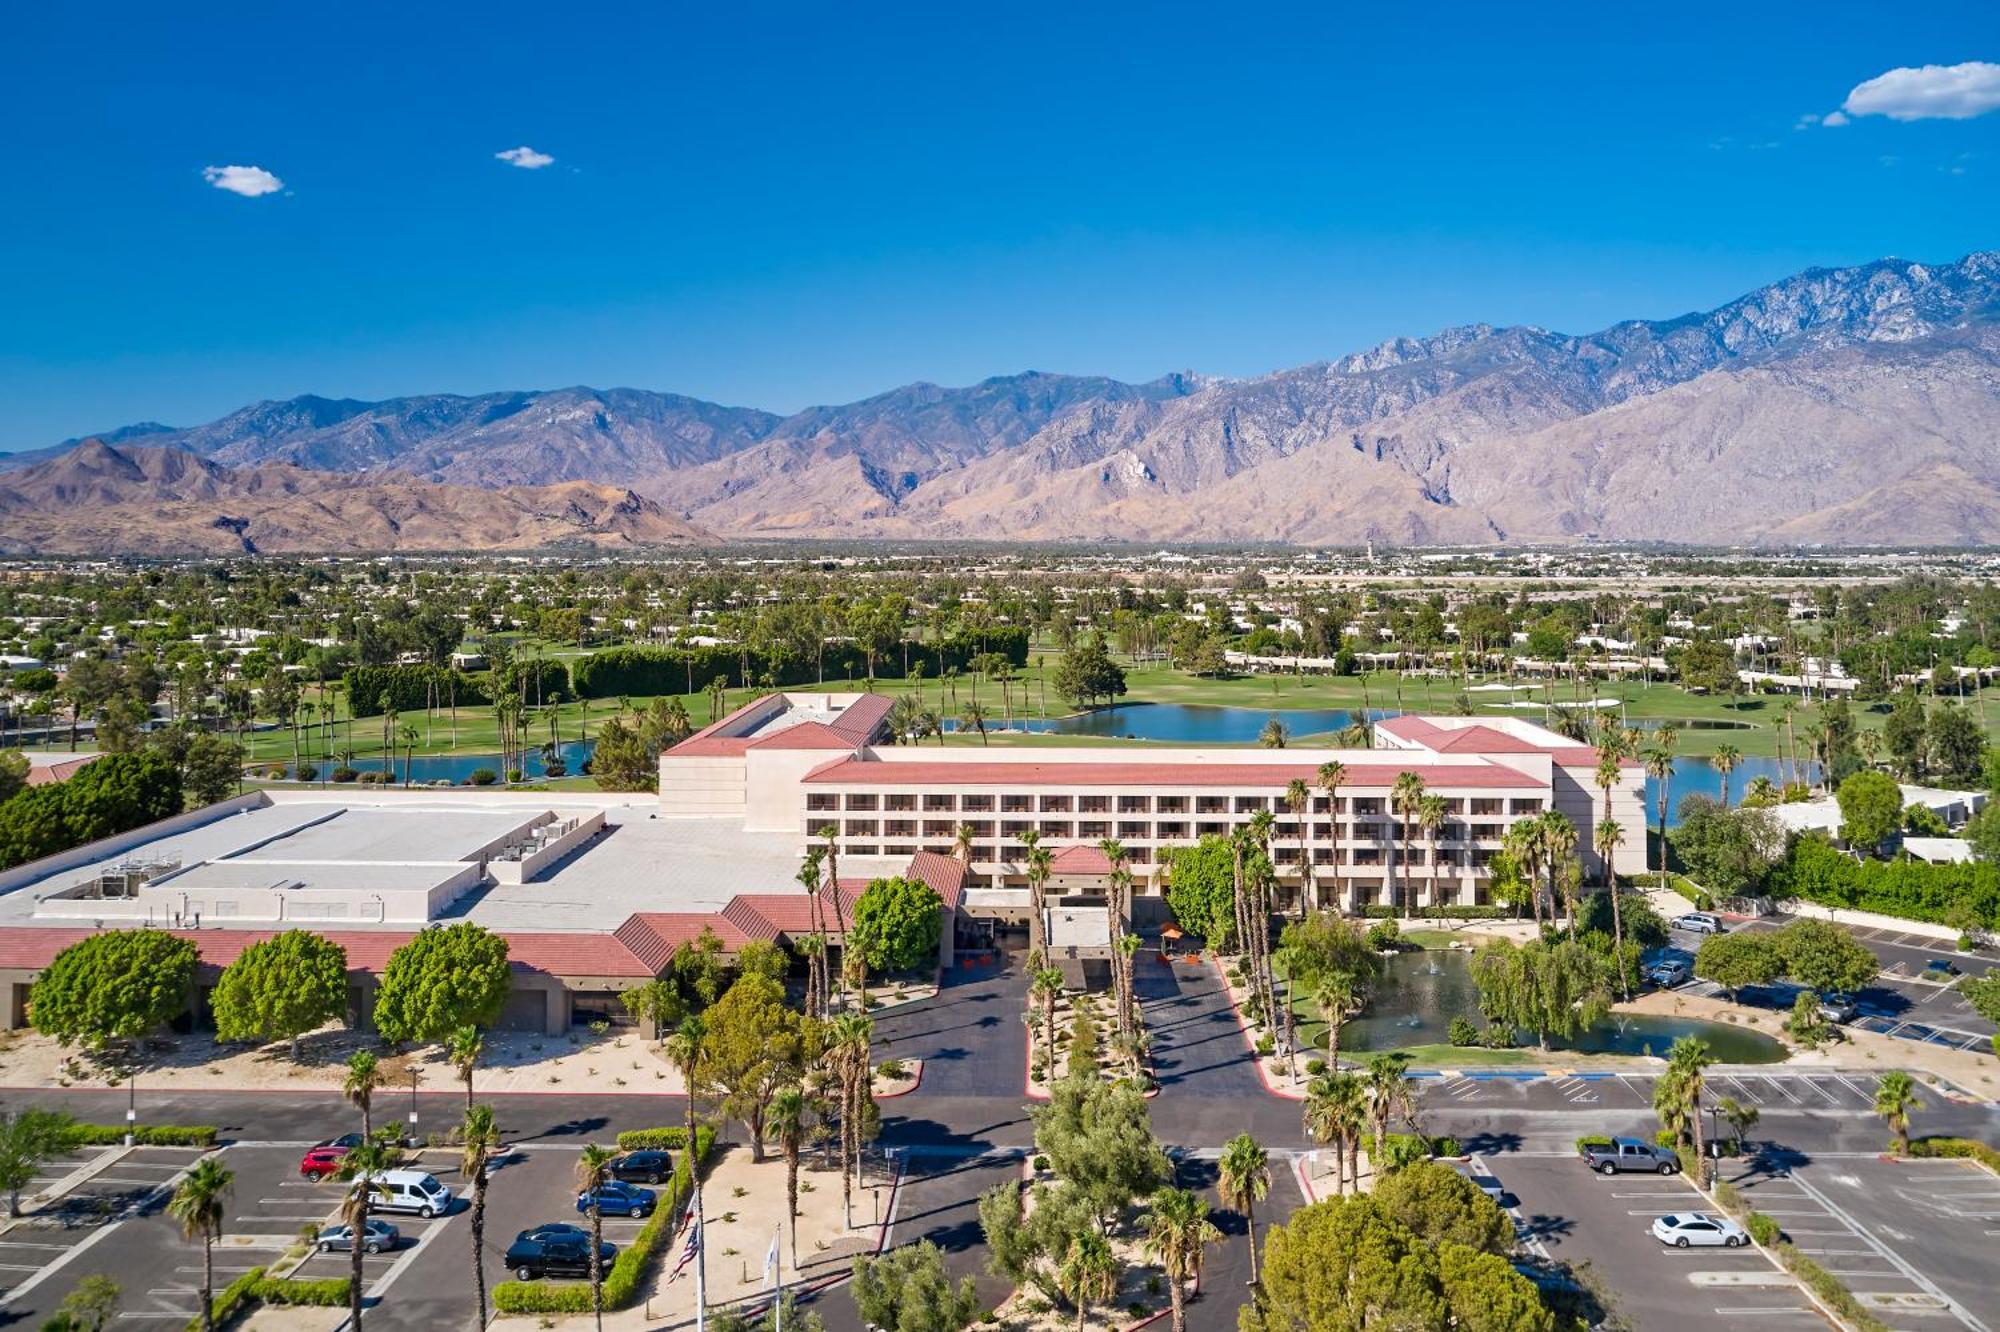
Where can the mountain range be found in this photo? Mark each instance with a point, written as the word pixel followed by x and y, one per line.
pixel 1850 406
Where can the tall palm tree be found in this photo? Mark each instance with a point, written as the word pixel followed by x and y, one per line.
pixel 974 716
pixel 1336 1108
pixel 1258 887
pixel 1558 837
pixel 1178 1233
pixel 1524 843
pixel 479 1140
pixel 1389 1094
pixel 789 1120
pixel 1686 1065
pixel 961 845
pixel 1120 886
pixel 1088 1272
pixel 1298 799
pixel 593 1172
pixel 1895 1098
pixel 364 1075
pixel 829 834
pixel 1609 838
pixel 850 1047
pixel 1660 767
pixel 360 1169
pixel 1047 986
pixel 1039 860
pixel 1433 812
pixel 1243 1179
pixel 1725 760
pixel 1331 774
pixel 1335 995
pixel 464 1049
pixel 198 1206
pixel 1403 799
pixel 810 877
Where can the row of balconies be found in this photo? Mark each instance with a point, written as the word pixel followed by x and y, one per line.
pixel 1285 837
pixel 828 802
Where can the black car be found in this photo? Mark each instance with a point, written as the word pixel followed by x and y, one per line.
pixel 553 1230
pixel 346 1142
pixel 557 1254
pixel 647 1167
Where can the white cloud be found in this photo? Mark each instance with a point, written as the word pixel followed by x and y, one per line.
pixel 1934 92
pixel 1834 119
pixel 525 158
pixel 248 181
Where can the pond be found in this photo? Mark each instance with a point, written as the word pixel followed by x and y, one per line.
pixel 1420 993
pixel 456 768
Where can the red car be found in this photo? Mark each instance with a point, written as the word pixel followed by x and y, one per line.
pixel 323 1160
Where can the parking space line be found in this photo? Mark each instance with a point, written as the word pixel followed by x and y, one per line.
pixel 1781 1089
pixel 20 1267
pixel 1909 1273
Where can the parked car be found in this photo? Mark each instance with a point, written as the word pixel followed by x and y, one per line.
pixel 556 1253
pixel 322 1162
pixel 552 1230
pixel 1837 1007
pixel 643 1167
pixel 1625 1155
pixel 1938 968
pixel 1699 922
pixel 376 1238
pixel 1670 972
pixel 1698 1229
pixel 410 1191
pixel 1481 1179
pixel 617 1198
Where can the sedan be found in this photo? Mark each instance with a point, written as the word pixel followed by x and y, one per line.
pixel 644 1167
pixel 375 1238
pixel 617 1198
pixel 552 1230
pixel 1698 1230
pixel 1939 968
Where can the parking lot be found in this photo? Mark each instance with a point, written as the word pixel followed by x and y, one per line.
pixel 1566 1214
pixel 93 1224
pixel 1827 1090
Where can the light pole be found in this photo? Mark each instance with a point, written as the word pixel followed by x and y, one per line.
pixel 131 1105
pixel 413 1107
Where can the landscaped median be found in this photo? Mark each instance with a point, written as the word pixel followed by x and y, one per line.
pixel 143 1135
pixel 254 1287
pixel 622 1282
pixel 1836 1299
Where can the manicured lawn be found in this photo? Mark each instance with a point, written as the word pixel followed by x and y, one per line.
pixel 1470 1056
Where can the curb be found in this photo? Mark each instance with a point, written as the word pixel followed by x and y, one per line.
pixel 1256 1059
pixel 918 1082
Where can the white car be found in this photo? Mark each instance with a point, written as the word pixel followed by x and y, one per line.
pixel 1699 922
pixel 1670 973
pixel 1698 1229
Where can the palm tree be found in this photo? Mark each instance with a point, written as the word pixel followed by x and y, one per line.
pixel 1089 1271
pixel 407 733
pixel 1389 1093
pixel 1609 838
pixel 850 1048
pixel 830 834
pixel 810 877
pixel 464 1049
pixel 1403 800
pixel 364 1075
pixel 1895 1097
pixel 1335 995
pixel 1274 735
pixel 788 1121
pixel 1660 767
pixel 1524 844
pixel 593 1172
pixel 1243 1179
pixel 1725 760
pixel 1336 1106
pixel 974 716
pixel 1047 987
pixel 360 1169
pixel 1331 774
pixel 1039 858
pixel 1178 1233
pixel 961 845
pixel 1686 1063
pixel 1298 799
pixel 480 1139
pixel 1558 837
pixel 1433 812
pixel 197 1205
pixel 1120 885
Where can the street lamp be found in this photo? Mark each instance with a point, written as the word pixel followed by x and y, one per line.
pixel 131 1104
pixel 413 1107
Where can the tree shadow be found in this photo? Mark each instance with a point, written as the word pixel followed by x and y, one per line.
pixel 1491 1144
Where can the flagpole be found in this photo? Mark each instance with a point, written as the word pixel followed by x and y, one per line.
pixel 778 1304
pixel 700 1264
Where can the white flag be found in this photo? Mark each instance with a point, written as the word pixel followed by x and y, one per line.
pixel 771 1269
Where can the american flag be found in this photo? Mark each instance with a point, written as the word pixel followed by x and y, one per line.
pixel 689 1249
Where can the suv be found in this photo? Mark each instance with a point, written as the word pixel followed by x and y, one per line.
pixel 550 1251
pixel 642 1167
pixel 1669 973
pixel 1837 1007
pixel 323 1161
pixel 616 1198
pixel 1699 922
pixel 1624 1155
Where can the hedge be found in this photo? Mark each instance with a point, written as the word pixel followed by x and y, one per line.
pixel 1815 871
pixel 621 1283
pixel 1383 911
pixel 231 1298
pixel 652 1139
pixel 409 688
pixel 143 1135
pixel 1957 1147
pixel 255 1287
pixel 647 671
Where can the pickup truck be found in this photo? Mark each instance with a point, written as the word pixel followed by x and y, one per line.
pixel 1624 1155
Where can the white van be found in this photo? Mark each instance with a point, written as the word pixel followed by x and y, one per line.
pixel 409 1191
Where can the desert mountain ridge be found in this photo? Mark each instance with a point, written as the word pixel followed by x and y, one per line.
pixel 1839 405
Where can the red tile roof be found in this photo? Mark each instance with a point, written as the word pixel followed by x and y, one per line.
pixel 805 735
pixel 709 741
pixel 584 953
pixel 1481 740
pixel 850 729
pixel 986 773
pixel 1079 860
pixel 61 770
pixel 943 873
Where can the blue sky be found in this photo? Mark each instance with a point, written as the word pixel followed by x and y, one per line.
pixel 776 205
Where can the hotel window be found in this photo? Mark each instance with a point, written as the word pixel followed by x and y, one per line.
pixel 1286 855
pixel 1486 832
pixel 1170 805
pixel 822 802
pixel 1014 827
pixel 1017 804
pixel 1055 828
pixel 860 828
pixel 1367 855
pixel 940 828
pixel 1134 804
pixel 1211 804
pixel 899 803
pixel 1173 829
pixel 1093 828
pixel 1138 855
pixel 899 827
pixel 1371 805
pixel 1096 804
pixel 1454 805
pixel 982 827
pixel 1521 807
pixel 1487 807
pixel 862 850
pixel 1322 855
pixel 974 804
pixel 934 803
pixel 894 850
pixel 1211 829
pixel 1055 804
pixel 1249 804
pixel 861 801
pixel 1132 828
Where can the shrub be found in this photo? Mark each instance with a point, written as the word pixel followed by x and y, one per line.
pixel 652 1139
pixel 1957 1147
pixel 1267 1043
pixel 1385 935
pixel 482 777
pixel 1762 1229
pixel 1315 1067
pixel 1446 1146
pixel 344 773
pixel 144 1135
pixel 308 772
pixel 513 774
pixel 327 1293
pixel 892 1069
pixel 1462 1032
pixel 230 1299
pixel 1499 1036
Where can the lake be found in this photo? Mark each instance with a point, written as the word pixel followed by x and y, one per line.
pixel 456 768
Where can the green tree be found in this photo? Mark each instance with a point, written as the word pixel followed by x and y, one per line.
pixel 198 1205
pixel 1087 676
pixel 1983 993
pixel 1726 851
pixel 280 988
pixel 1550 987
pixel 1099 1138
pixel 1956 743
pixel 89 1307
pixel 358 1085
pixel 1824 957
pixel 118 985
pixel 593 1172
pixel 754 1047
pixel 622 760
pixel 213 768
pixel 14 768
pixel 1201 889
pixel 29 1139
pixel 1178 1233
pixel 908 1290
pixel 442 979
pixel 1444 1206
pixel 1242 1179
pixel 897 922
pixel 479 1141
pixel 1736 960
pixel 1895 1098
pixel 1904 734
pixel 1871 809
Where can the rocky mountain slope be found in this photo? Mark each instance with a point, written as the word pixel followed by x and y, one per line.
pixel 143 500
pixel 1812 409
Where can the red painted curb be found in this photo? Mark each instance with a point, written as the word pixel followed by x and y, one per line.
pixel 890 1096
